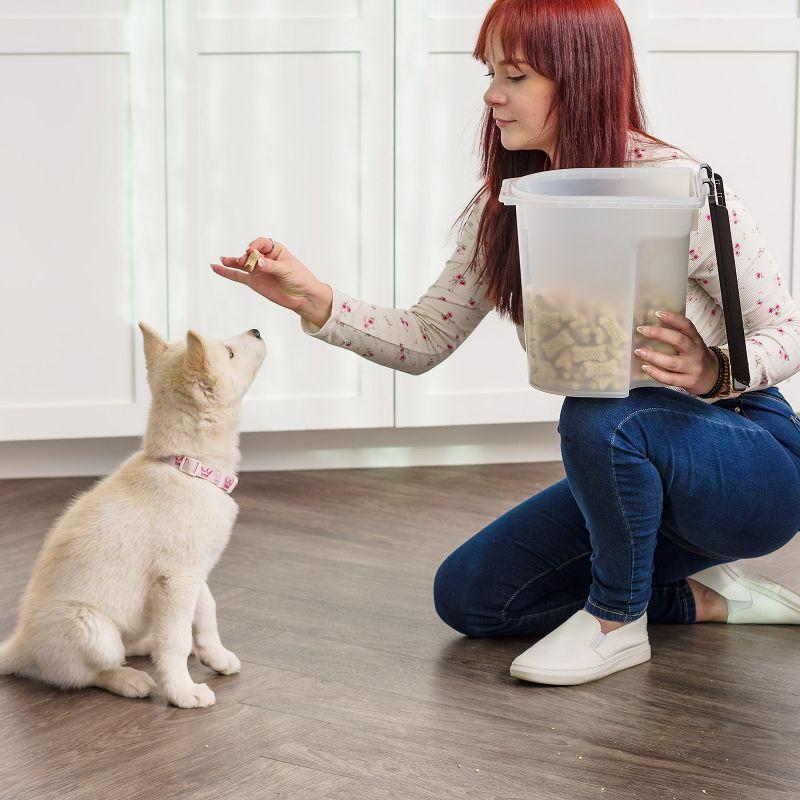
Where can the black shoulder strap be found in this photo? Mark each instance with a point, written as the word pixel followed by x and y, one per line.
pixel 729 285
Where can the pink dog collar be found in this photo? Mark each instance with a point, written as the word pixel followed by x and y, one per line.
pixel 191 466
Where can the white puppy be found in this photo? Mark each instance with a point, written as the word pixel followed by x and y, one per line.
pixel 123 571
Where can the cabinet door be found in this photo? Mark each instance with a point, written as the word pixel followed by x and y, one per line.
pixel 279 123
pixel 440 91
pixel 704 83
pixel 81 214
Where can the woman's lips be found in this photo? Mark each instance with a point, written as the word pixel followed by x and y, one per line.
pixel 501 123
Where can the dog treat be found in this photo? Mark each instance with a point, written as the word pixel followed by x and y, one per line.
pixel 609 324
pixel 250 264
pixel 564 361
pixel 594 353
pixel 558 343
pixel 583 335
pixel 595 368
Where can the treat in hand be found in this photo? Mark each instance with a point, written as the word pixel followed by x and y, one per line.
pixel 252 260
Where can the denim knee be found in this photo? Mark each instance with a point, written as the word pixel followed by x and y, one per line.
pixel 456 598
pixel 584 420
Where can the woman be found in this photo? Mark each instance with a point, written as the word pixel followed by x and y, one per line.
pixel 664 487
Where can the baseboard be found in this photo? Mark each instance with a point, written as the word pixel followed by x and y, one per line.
pixel 382 447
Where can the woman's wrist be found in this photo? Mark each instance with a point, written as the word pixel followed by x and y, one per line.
pixel 720 384
pixel 711 373
pixel 318 305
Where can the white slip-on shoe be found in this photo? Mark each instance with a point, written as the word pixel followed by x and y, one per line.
pixel 751 598
pixel 577 651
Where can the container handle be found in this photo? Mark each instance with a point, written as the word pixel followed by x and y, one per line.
pixel 729 286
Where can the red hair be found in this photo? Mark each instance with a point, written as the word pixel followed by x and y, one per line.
pixel 584 47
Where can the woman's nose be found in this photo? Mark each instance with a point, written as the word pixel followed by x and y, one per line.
pixel 492 97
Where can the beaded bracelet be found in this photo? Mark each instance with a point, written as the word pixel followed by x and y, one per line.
pixel 722 384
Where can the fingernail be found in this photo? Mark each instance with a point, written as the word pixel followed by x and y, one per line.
pixel 642 353
pixel 660 314
pixel 646 367
pixel 641 329
pixel 262 263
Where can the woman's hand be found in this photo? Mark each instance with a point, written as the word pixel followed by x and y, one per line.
pixel 282 278
pixel 694 368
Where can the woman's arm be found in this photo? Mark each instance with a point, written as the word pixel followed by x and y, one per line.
pixel 412 340
pixel 771 316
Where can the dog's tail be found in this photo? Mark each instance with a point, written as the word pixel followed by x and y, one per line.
pixel 11 659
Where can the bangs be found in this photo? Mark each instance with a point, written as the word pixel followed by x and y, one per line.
pixel 523 34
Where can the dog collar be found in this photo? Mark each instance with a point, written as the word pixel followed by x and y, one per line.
pixel 191 466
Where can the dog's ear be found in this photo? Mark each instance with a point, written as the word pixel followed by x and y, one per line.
pixel 154 345
pixel 198 363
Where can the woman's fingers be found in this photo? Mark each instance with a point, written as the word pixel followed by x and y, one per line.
pixel 264 244
pixel 233 261
pixel 677 339
pixel 665 377
pixel 678 321
pixel 656 359
pixel 230 273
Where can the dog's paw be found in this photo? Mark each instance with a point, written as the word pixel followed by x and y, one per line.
pixel 126 681
pixel 195 695
pixel 220 660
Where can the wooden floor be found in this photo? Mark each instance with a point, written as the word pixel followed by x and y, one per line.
pixel 353 689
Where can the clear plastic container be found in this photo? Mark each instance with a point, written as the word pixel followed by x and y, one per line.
pixel 601 250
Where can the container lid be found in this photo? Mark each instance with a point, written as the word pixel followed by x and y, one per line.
pixel 552 188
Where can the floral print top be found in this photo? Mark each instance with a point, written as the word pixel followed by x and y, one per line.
pixel 416 339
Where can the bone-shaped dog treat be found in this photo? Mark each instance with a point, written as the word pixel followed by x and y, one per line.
pixel 564 360
pixel 583 335
pixel 555 345
pixel 595 368
pixel 548 319
pixel 252 259
pixel 596 353
pixel 612 328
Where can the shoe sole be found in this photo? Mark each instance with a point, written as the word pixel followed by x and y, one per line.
pixel 570 677
pixel 784 596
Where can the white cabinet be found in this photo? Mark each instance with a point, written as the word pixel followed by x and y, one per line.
pixel 280 123
pixel 440 105
pixel 81 214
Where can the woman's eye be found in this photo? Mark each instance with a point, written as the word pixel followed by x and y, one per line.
pixel 513 79
pixel 230 350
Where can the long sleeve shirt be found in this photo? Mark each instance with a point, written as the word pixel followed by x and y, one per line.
pixel 418 338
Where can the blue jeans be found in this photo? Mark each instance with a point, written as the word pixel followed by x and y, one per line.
pixel 659 486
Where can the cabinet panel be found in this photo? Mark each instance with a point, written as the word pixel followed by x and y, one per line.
pixel 83 227
pixel 288 136
pixel 439 111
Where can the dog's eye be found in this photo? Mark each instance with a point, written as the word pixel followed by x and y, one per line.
pixel 230 350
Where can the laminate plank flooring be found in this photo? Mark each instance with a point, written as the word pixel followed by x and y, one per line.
pixel 352 689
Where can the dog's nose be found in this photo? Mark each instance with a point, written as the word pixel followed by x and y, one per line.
pixel 255 333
